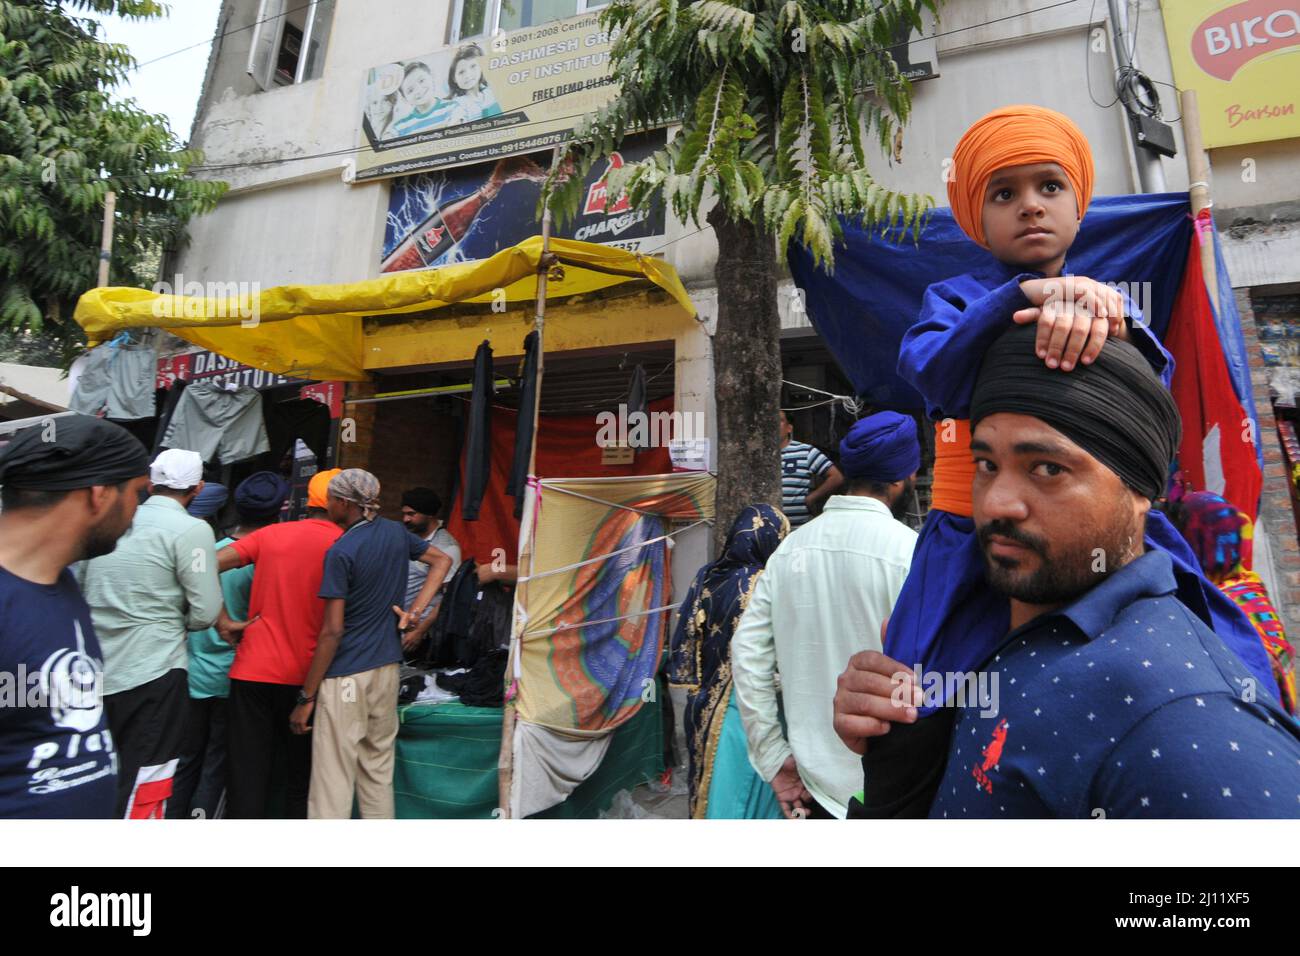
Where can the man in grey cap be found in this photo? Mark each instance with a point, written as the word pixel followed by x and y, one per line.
pixel 354 669
pixel 68 490
pixel 145 597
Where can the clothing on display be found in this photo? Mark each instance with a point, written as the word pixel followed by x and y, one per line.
pixel 478 444
pixel 219 420
pixel 524 432
pixel 117 381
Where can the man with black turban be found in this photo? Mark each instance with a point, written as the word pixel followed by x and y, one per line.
pixel 69 487
pixel 1108 694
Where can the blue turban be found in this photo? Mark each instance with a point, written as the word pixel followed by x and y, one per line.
pixel 261 495
pixel 209 500
pixel 881 447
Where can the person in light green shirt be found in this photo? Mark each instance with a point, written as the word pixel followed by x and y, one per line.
pixel 159 583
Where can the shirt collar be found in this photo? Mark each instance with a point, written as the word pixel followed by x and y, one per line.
pixel 998 272
pixel 856 503
pixel 1151 575
pixel 162 501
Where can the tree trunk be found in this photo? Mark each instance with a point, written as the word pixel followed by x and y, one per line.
pixel 747 370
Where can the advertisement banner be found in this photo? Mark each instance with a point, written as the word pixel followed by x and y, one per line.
pixel 458 215
pixel 1243 61
pixel 518 92
pixel 193 366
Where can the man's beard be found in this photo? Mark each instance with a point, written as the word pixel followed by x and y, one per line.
pixel 102 538
pixel 418 527
pixel 898 507
pixel 1063 574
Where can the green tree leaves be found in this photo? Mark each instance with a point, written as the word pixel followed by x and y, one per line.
pixel 64 143
pixel 775 98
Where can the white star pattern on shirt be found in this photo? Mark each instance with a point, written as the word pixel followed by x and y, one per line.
pixel 1156 753
pixel 1037 711
pixel 1128 699
pixel 1146 801
pixel 1146 663
pixel 1092 716
pixel 1233 745
pixel 1227 792
pixel 1041 771
pixel 1200 702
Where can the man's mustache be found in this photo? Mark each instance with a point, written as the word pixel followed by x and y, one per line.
pixel 1005 529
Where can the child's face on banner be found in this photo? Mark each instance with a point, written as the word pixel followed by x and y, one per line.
pixel 1031 215
pixel 468 74
pixel 418 88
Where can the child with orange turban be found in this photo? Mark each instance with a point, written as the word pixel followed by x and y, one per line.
pixel 1020 183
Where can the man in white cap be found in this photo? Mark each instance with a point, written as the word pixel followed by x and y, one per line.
pixel 159 584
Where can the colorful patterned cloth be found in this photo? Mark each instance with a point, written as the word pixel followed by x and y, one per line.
pixel 1222 538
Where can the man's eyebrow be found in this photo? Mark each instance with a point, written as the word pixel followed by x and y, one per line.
pixel 1040 448
pixel 978 445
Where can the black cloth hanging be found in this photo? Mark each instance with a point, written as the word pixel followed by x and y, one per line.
pixel 478 446
pixel 451 628
pixel 636 393
pixel 524 426
pixel 165 419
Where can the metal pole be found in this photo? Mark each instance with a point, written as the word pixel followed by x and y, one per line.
pixel 1198 173
pixel 106 237
pixel 505 757
pixel 1151 174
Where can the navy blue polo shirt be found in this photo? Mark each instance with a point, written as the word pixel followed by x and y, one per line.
pixel 1125 703
pixel 367 567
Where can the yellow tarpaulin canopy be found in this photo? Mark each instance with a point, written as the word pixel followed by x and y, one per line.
pixel 315 331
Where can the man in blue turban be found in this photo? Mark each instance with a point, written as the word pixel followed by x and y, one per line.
pixel 824 596
pixel 880 457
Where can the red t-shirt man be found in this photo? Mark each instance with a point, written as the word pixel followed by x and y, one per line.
pixel 273 655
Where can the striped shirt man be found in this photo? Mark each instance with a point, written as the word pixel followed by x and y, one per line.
pixel 802 469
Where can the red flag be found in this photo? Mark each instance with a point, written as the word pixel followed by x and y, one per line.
pixel 1218 449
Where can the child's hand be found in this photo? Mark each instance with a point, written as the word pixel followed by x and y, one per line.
pixel 1075 315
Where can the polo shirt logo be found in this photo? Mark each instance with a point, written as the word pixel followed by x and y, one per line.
pixel 992 755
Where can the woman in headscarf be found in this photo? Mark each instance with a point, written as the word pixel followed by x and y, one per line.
pixel 722 782
pixel 1222 539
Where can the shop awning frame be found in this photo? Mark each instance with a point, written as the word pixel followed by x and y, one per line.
pixel 317 331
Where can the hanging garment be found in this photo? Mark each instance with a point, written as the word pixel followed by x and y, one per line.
pixel 478 448
pixel 117 382
pixel 218 423
pixel 524 430
pixel 636 393
pixel 294 419
pixel 455 618
pixel 168 410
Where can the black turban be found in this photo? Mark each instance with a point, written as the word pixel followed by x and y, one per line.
pixel 1115 409
pixel 423 500
pixel 70 452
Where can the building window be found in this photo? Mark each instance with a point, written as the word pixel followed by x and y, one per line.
pixel 289 41
pixel 480 18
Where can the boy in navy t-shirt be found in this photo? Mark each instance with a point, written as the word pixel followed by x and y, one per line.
pixel 353 680
pixel 68 490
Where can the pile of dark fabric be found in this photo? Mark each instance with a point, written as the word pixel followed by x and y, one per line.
pixel 471 633
pixel 484 684
pixel 472 621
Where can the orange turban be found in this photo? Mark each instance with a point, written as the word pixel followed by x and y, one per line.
pixel 1014 136
pixel 319 486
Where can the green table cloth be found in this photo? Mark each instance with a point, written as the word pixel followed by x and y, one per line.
pixel 447 763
